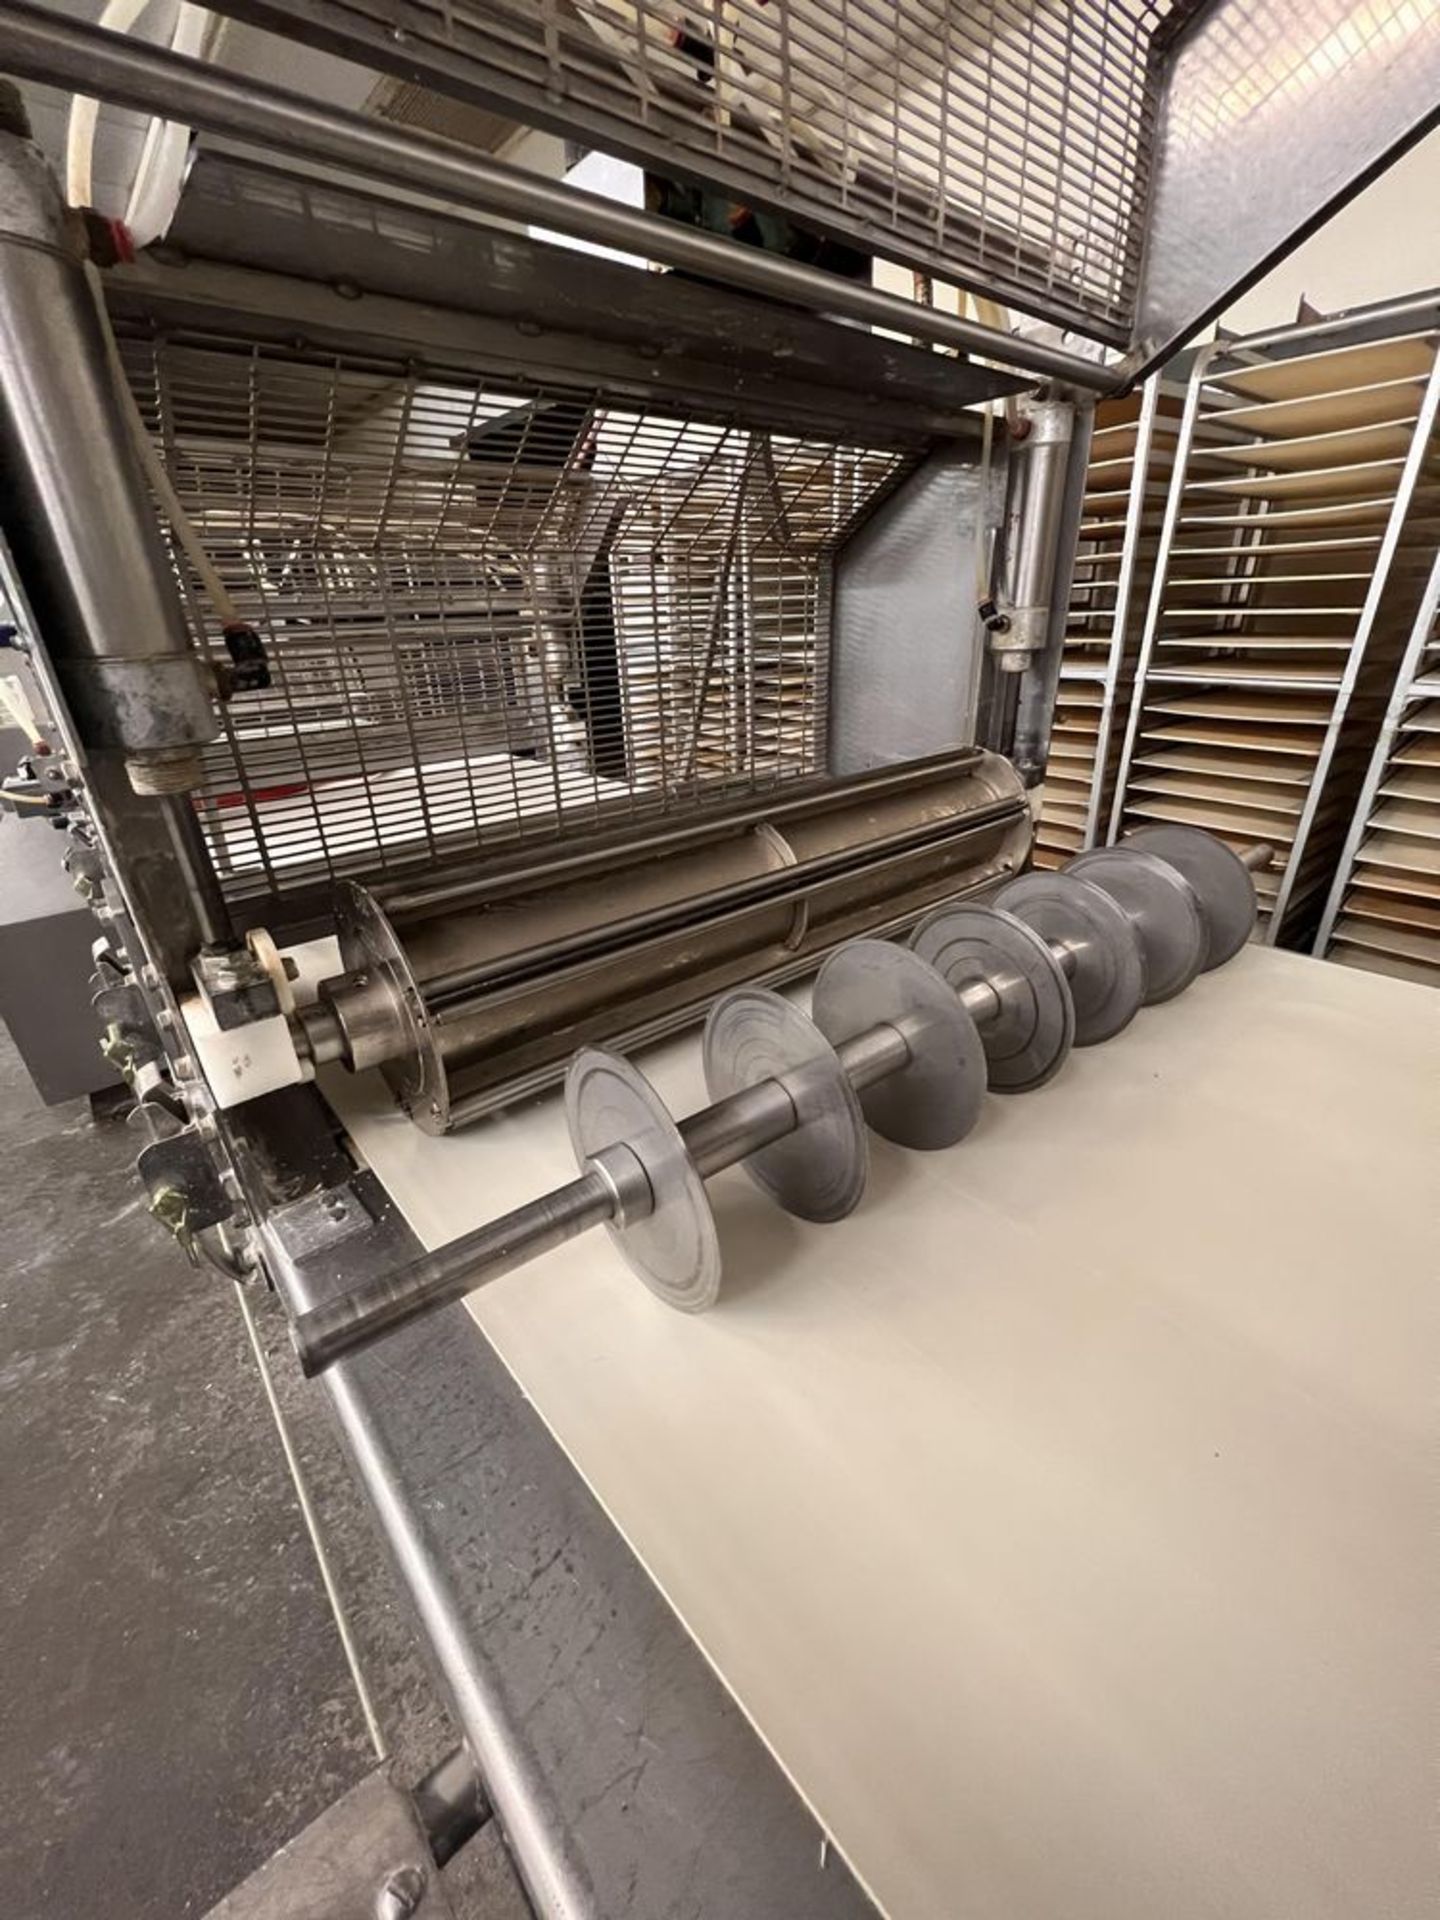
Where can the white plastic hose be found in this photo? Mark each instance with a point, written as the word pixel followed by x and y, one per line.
pixel 120 16
pixel 161 172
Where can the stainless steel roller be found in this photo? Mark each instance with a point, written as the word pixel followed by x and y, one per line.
pixel 473 988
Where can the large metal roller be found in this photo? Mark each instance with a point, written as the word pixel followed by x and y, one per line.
pixel 472 989
pixel 892 1037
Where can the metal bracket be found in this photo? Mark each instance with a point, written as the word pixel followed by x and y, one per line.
pixel 367 1857
pixel 186 1192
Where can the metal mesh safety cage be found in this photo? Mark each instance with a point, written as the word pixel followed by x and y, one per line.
pixel 495 611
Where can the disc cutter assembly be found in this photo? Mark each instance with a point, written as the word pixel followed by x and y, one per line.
pixel 904 1040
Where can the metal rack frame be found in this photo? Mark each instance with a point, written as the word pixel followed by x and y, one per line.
pixel 1130 566
pixel 1115 676
pixel 1417 679
pixel 1418 315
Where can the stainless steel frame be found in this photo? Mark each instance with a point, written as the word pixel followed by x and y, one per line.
pixel 1007 146
pixel 1415 462
pixel 1118 140
pixel 1152 616
pixel 564 1722
pixel 1078 672
pixel 1115 559
pixel 1117 94
pixel 287 809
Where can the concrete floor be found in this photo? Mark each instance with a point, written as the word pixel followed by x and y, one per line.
pixel 177 1703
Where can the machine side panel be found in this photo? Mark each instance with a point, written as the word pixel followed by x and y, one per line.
pixel 906 643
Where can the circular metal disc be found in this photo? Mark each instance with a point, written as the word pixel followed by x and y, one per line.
pixel 1225 885
pixel 1027 1041
pixel 369 945
pixel 1107 986
pixel 818 1171
pixel 1164 907
pixel 934 1100
pixel 675 1249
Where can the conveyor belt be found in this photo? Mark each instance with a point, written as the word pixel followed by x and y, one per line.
pixel 1056 1519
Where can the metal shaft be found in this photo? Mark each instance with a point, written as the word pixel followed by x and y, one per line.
pixel 36 45
pixel 719 1136
pixel 354 1319
pixel 871 1055
pixel 195 871
pixel 716 1137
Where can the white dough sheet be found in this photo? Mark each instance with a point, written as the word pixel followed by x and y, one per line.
pixel 1065 1519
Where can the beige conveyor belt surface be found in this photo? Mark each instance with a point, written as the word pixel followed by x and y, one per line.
pixel 1064 1520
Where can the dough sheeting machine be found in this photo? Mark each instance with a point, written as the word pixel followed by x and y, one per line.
pixel 473 664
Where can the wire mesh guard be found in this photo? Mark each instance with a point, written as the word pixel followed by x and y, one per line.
pixel 491 614
pixel 1004 140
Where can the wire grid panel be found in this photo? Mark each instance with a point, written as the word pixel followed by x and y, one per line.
pixel 1004 142
pixel 491 613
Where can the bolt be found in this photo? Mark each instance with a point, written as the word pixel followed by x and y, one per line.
pixel 401 1895
pixel 170 1207
pixel 118 1049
